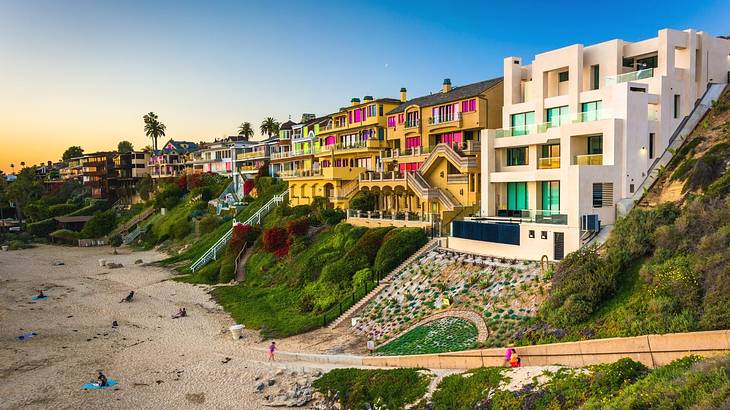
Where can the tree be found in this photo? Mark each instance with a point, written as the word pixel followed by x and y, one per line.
pixel 24 189
pixel 147 148
pixel 269 127
pixel 144 187
pixel 153 128
pixel 124 147
pixel 72 152
pixel 245 130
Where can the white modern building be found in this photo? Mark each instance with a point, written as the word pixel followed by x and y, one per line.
pixel 585 126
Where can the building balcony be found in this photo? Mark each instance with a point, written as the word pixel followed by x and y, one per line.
pixel 520 130
pixel 291 154
pixel 355 146
pixel 345 173
pixel 593 159
pixel 548 163
pixel 412 124
pixel 632 76
pixel 406 152
pixel 251 155
pixel 457 178
pixel 540 216
pixel 453 120
pixel 392 216
pixel 595 115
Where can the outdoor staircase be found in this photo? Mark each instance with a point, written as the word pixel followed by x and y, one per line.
pixel 462 163
pixel 430 245
pixel 131 236
pixel 137 219
pixel 421 187
pixel 212 252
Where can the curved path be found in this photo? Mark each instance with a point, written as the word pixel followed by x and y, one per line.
pixel 466 314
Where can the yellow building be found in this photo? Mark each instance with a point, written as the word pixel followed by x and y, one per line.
pixel 430 173
pixel 349 143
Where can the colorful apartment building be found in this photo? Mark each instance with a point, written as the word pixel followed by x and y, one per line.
pixel 172 160
pixel 347 144
pixel 299 154
pixel 583 127
pixel 430 168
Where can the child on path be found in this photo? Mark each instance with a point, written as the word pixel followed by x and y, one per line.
pixel 272 350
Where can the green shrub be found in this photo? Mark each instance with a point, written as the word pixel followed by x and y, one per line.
pixel 361 388
pixel 61 209
pixel 362 277
pixel 116 241
pixel 100 224
pixel 42 228
pixel 92 206
pixel 65 234
pixel 398 245
pixel 332 216
pixel 364 201
pixel 228 269
pixel 169 196
pixel 705 170
pixel 15 245
pixel 181 229
pixel 464 391
pixel 208 223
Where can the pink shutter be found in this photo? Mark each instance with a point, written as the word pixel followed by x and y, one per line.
pixel 473 104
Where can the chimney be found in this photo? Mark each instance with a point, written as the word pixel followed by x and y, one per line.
pixel 403 97
pixel 447 85
pixel 367 98
pixel 355 101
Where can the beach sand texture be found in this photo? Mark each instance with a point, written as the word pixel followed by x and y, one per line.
pixel 159 362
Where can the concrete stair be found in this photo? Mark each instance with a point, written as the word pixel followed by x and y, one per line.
pixel 430 245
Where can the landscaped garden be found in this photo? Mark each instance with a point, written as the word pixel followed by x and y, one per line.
pixel 442 335
pixel 504 292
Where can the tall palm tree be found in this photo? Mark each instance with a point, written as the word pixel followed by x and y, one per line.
pixel 153 128
pixel 269 127
pixel 245 130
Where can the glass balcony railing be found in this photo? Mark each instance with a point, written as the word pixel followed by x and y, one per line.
pixel 592 159
pixel 540 216
pixel 632 76
pixel 594 115
pixel 453 117
pixel 522 130
pixel 392 215
pixel 548 163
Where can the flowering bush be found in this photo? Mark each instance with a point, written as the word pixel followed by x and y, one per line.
pixel 242 235
pixel 275 240
pixel 298 227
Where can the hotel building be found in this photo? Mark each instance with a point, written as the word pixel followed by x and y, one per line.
pixel 583 127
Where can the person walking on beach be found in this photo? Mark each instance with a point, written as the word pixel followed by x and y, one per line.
pixel 128 298
pixel 272 350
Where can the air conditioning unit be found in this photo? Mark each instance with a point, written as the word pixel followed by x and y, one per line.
pixel 590 223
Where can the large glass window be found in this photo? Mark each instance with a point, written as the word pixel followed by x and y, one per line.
pixel 595 77
pixel 517 196
pixel 557 116
pixel 676 105
pixel 550 192
pixel 597 195
pixel 517 156
pixel 550 151
pixel 521 122
pixel 595 145
pixel 590 110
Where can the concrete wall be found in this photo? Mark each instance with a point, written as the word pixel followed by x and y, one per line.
pixel 651 350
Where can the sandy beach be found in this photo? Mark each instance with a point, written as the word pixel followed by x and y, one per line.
pixel 159 362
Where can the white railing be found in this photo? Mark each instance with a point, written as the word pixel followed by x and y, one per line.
pixel 391 215
pixel 130 237
pixel 632 76
pixel 453 117
pixel 292 154
pixel 212 252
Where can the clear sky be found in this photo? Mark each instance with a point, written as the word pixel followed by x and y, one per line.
pixel 85 72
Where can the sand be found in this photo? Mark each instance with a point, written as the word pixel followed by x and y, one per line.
pixel 159 362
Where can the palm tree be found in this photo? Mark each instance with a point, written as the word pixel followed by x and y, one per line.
pixel 269 127
pixel 153 128
pixel 22 164
pixel 245 130
pixel 12 168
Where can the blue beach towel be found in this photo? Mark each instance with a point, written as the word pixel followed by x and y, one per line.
pixel 89 386
pixel 25 336
pixel 39 297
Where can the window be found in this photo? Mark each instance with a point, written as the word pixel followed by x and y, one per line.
pixel 372 110
pixel 595 145
pixel 401 118
pixel 550 151
pixel 590 110
pixel 562 77
pixel 595 77
pixel 631 188
pixel 557 116
pixel 391 121
pixel 521 122
pixel 516 156
pixel 597 195
pixel 469 105
pixel 380 109
pixel 676 105
pixel 543 234
pixel 413 142
pixel 628 62
pixel 647 62
pixel 531 233
pixel 517 196
pixel 651 145
pixel 550 192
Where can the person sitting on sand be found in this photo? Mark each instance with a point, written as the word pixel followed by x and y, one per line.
pixel 101 380
pixel 272 350
pixel 128 298
pixel 40 294
pixel 180 313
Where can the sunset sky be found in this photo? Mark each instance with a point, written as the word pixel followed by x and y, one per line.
pixel 85 72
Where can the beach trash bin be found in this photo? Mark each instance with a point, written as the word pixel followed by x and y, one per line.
pixel 236 331
pixel 102 262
